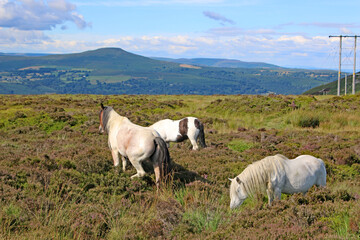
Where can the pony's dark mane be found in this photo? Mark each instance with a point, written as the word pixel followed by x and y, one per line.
pixel 106 116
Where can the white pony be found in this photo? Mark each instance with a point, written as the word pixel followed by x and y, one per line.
pixel 179 130
pixel 277 174
pixel 134 143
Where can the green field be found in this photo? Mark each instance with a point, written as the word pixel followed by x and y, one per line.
pixel 57 180
pixel 108 79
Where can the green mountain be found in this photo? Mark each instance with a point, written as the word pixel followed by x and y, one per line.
pixel 331 88
pixel 218 62
pixel 115 71
pixel 98 60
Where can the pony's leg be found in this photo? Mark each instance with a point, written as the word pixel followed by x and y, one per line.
pixel 115 156
pixel 124 162
pixel 321 182
pixel 167 144
pixel 194 143
pixel 138 167
pixel 159 173
pixel 277 193
pixel 270 193
pixel 193 137
pixel 270 196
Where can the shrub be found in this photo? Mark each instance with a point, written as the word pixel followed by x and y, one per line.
pixel 305 119
pixel 309 121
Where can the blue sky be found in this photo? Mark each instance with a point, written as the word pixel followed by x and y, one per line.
pixel 286 33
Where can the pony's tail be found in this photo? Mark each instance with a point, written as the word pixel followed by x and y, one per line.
pixel 202 136
pixel 161 157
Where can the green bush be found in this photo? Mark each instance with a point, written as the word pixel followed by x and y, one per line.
pixel 305 119
pixel 308 121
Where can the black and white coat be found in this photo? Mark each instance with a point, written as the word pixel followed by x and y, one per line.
pixel 179 130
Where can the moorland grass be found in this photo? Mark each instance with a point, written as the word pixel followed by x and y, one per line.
pixel 57 180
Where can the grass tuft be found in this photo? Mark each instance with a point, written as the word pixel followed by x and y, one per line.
pixel 239 145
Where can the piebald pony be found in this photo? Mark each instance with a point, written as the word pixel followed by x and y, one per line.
pixel 179 130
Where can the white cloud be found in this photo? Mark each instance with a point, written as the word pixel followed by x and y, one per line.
pixel 296 40
pixel 18 37
pixel 300 54
pixel 188 44
pixel 175 49
pixel 345 30
pixel 38 15
pixel 226 31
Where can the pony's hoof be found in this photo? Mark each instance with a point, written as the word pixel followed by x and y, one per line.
pixel 139 175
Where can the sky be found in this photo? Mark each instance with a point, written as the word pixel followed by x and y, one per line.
pixel 282 32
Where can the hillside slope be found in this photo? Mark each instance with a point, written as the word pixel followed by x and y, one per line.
pixel 331 87
pixel 115 71
pixel 218 62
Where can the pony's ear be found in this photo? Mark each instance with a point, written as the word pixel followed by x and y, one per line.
pixel 238 180
pixel 102 106
pixel 230 179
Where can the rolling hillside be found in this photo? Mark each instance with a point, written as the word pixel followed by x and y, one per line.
pixel 218 62
pixel 115 71
pixel 331 88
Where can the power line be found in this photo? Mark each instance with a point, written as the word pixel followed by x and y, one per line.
pixel 354 68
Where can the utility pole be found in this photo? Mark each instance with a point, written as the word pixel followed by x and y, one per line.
pixel 339 73
pixel 354 72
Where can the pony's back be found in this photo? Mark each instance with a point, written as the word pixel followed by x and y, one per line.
pixel 314 166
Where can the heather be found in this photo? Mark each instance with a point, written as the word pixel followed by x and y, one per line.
pixel 57 180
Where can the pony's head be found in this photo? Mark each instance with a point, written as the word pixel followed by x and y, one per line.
pixel 104 117
pixel 237 192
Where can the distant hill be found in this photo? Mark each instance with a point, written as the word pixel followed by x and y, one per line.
pixel 24 54
pixel 115 71
pixel 331 87
pixel 106 58
pixel 218 62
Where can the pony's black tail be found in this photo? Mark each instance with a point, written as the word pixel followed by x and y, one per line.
pixel 202 136
pixel 161 157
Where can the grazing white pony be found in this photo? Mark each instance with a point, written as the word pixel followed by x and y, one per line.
pixel 178 130
pixel 134 143
pixel 277 174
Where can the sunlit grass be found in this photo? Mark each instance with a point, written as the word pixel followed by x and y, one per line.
pixel 239 145
pixel 57 179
